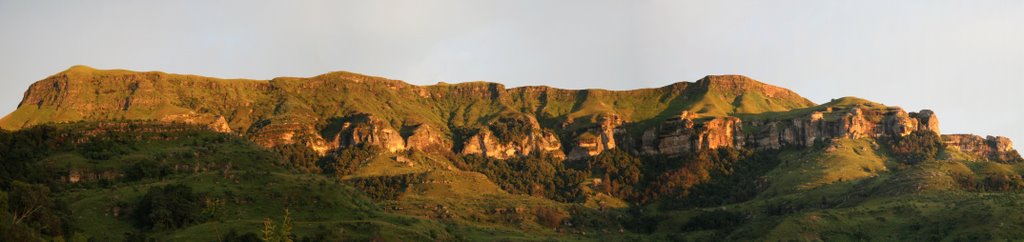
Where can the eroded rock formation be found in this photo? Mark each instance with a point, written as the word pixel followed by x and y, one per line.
pixel 687 133
pixel 365 129
pixel 427 138
pixel 525 137
pixel 342 109
pixel 599 138
pixel 996 148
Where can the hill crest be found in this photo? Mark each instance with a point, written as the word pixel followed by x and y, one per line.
pixel 475 117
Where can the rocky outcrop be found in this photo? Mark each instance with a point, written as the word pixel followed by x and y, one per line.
pixel 687 133
pixel 486 144
pixel 523 136
pixel 289 110
pixel 276 133
pixel 365 129
pixel 426 138
pixel 599 138
pixel 831 123
pixel 995 148
pixel 213 122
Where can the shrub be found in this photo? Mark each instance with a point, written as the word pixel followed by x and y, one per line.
pixel 169 207
pixel 541 175
pixel 386 187
pixel 919 146
pixel 347 161
pixel 299 157
pixel 146 168
pixel 551 217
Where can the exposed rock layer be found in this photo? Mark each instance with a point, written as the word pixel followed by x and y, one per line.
pixel 342 109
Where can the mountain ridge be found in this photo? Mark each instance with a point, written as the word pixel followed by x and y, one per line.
pixel 672 119
pixel 723 158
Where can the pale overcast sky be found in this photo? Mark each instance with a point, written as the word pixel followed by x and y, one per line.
pixel 963 59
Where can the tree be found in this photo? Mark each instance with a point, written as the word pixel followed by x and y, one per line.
pixel 26 200
pixel 299 156
pixel 169 207
pixel 917 147
pixel 346 161
pixel 283 233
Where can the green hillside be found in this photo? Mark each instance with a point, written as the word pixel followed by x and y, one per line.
pixel 116 155
pixel 82 93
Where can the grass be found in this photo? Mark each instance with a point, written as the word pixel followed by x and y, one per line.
pixel 850 189
pixel 102 95
pixel 847 160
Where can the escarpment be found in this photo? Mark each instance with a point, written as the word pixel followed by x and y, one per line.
pixel 837 122
pixel 687 133
pixel 511 137
pixel 598 138
pixel 341 109
pixel 995 148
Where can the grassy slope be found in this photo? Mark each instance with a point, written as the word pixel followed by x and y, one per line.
pixel 254 189
pixel 857 192
pixel 853 192
pixel 316 100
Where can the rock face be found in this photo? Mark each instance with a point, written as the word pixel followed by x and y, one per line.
pixel 342 109
pixel 426 138
pixel 839 123
pixel 215 123
pixel 686 133
pixel 599 138
pixel 364 129
pixel 533 139
pixel 276 133
pixel 995 148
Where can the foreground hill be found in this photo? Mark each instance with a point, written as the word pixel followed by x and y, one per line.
pixel 130 155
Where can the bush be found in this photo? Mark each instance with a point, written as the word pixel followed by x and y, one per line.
pixel 386 187
pixel 30 211
pixel 511 129
pixel 919 146
pixel 621 172
pixel 299 157
pixel 347 161
pixel 146 168
pixel 551 217
pixel 540 175
pixel 169 207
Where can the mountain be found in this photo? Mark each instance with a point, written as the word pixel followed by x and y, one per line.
pixel 723 158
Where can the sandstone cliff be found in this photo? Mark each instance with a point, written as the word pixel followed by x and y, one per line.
pixel 838 122
pixel 365 129
pixel 687 134
pixel 598 138
pixel 995 148
pixel 342 109
pixel 514 137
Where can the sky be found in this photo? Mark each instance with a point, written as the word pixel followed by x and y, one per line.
pixel 962 59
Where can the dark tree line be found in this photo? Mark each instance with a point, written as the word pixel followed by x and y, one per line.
pixel 299 156
pixel 917 147
pixel 169 207
pixel 718 176
pixel 509 129
pixel 386 187
pixel 621 173
pixel 346 161
pixel 539 175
